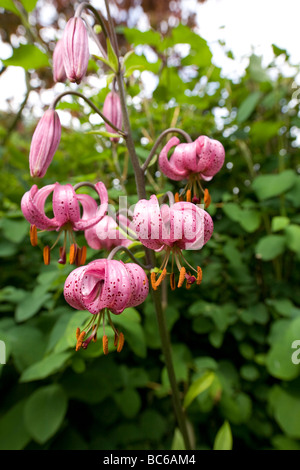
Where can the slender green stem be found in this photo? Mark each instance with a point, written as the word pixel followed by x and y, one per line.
pixel 90 103
pixel 150 256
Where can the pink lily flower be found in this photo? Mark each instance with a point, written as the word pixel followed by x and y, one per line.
pixel 59 73
pixel 113 111
pixel 66 211
pixel 182 226
pixel 199 160
pixel 102 286
pixel 44 144
pixel 75 50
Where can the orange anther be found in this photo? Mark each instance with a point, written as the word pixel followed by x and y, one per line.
pixel 153 280
pixel 46 254
pixel 188 196
pixel 77 333
pixel 95 337
pixel 105 344
pixel 121 342
pixel 33 235
pixel 176 197
pixel 207 198
pixel 199 275
pixel 181 277
pixel 81 256
pixel 161 277
pixel 73 253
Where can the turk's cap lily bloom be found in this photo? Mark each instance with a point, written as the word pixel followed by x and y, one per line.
pixel 66 209
pixel 195 161
pixel 112 110
pixel 59 73
pixel 105 235
pixel 75 50
pixel 45 141
pixel 181 226
pixel 101 286
pixel 204 157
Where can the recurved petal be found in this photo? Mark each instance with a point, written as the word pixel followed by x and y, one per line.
pixel 148 222
pixel 72 288
pixel 65 204
pixel 211 156
pixel 86 223
pixel 167 166
pixel 139 284
pixel 32 206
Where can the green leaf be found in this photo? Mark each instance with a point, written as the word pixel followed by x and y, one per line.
pixel 28 57
pixel 29 5
pixel 279 223
pixel 112 57
pixel 47 366
pixel 15 230
pixel 286 409
pixel 44 412
pixel 267 186
pixel 103 133
pixel 32 303
pixel 223 440
pixel 269 247
pixel 248 106
pixel 137 37
pixel 293 237
pixel 9 5
pixel 129 402
pixel 197 387
pixel 178 442
pixel 13 433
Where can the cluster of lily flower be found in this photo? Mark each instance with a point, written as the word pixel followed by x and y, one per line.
pixel 107 285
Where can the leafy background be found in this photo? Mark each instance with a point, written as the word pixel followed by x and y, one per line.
pixel 232 336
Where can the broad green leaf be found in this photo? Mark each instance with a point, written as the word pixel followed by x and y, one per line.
pixel 129 402
pixel 44 412
pixel 32 303
pixel 267 186
pixel 286 408
pixel 223 440
pixel 15 230
pixel 293 237
pixel 47 366
pixel 269 247
pixel 27 56
pixel 248 106
pixel 197 387
pixel 279 223
pixel 13 433
pixel 136 37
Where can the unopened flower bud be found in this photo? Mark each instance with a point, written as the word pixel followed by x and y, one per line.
pixel 59 73
pixel 75 49
pixel 113 111
pixel 44 143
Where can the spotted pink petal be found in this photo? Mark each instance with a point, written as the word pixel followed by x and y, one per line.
pixel 139 284
pixel 105 285
pixel 168 167
pixel 33 207
pixel 148 223
pixel 72 289
pixel 83 223
pixel 184 158
pixel 65 204
pixel 211 156
pixel 105 235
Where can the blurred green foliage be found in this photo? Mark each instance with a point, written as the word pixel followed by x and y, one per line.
pixel 232 336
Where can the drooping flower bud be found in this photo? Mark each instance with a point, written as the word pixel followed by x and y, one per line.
pixel 44 143
pixel 75 49
pixel 59 73
pixel 113 111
